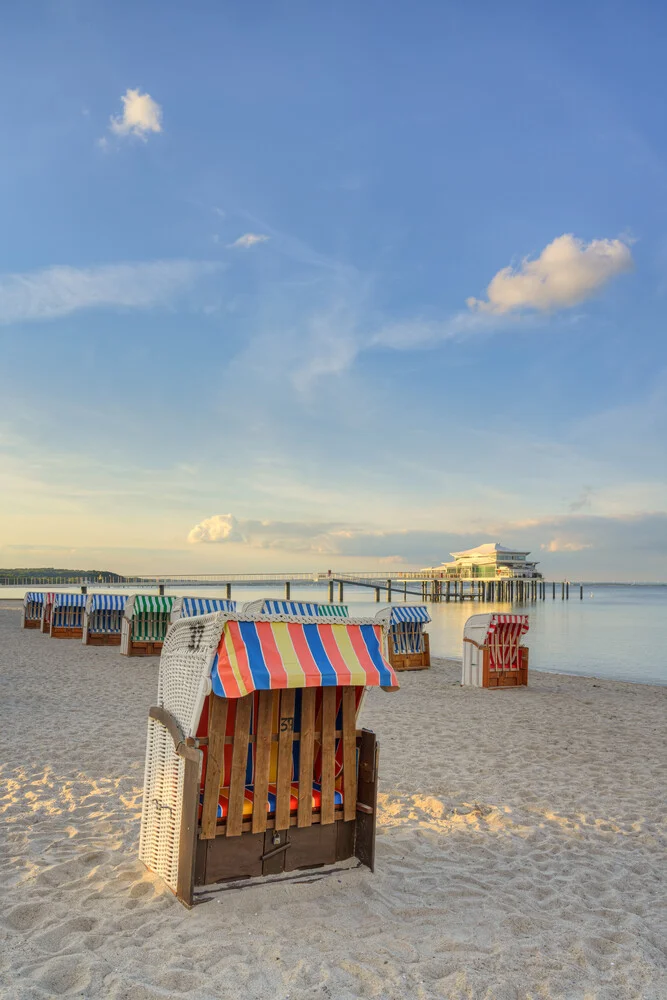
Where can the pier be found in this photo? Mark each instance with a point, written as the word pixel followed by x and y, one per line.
pixel 402 586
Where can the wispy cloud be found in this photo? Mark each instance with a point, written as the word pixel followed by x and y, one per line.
pixel 289 536
pixel 59 290
pixel 249 240
pixel 567 272
pixel 140 116
pixel 563 545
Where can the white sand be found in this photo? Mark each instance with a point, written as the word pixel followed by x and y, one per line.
pixel 519 853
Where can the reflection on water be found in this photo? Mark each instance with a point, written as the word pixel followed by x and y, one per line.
pixel 616 631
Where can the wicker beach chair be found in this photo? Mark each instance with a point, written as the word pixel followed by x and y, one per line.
pixel 409 647
pixel 146 619
pixel 254 763
pixel 33 602
pixel 67 616
pixel 187 607
pixel 493 653
pixel 103 619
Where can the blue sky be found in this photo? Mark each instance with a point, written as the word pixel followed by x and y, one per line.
pixel 294 286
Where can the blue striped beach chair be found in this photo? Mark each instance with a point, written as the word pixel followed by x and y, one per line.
pixel 409 647
pixel 33 602
pixel 67 616
pixel 189 607
pixel 103 619
pixel 307 608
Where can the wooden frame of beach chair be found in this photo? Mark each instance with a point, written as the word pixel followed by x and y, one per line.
pixel 67 616
pixel 32 609
pixel 493 653
pixel 228 751
pixel 188 607
pixel 103 619
pixel 146 619
pixel 408 644
pixel 47 605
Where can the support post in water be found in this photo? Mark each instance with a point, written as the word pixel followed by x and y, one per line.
pixel 377 595
pixel 160 589
pixel 581 591
pixel 331 586
pixel 340 591
pixel 287 590
pixel 229 591
pixel 389 591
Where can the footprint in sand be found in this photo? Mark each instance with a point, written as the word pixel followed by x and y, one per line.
pixel 64 976
pixel 59 937
pixel 25 916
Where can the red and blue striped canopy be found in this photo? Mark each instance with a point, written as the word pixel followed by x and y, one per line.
pixel 267 656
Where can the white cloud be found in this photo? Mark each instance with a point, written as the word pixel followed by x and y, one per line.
pixel 249 240
pixel 562 545
pixel 288 536
pixel 59 290
pixel 219 528
pixel 567 272
pixel 140 116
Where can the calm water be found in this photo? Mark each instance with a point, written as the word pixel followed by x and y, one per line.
pixel 617 631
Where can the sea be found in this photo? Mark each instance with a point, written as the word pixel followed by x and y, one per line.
pixel 616 631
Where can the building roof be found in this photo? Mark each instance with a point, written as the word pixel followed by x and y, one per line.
pixel 488 548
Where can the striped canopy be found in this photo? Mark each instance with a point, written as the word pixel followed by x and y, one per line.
pixel 409 614
pixel 333 610
pixel 108 602
pixel 267 656
pixel 304 608
pixel 34 597
pixel 69 600
pixel 205 606
pixel 289 608
pixel 498 621
pixel 148 603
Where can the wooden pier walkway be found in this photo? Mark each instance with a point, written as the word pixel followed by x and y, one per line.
pixel 409 585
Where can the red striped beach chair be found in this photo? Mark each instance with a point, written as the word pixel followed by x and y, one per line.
pixel 47 605
pixel 254 763
pixel 493 651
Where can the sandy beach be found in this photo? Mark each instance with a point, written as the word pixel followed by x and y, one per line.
pixel 520 850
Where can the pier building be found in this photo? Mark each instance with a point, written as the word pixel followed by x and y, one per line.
pixel 490 561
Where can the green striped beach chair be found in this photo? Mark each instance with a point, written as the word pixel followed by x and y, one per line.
pixel 145 622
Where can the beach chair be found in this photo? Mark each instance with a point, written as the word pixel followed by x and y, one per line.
pixel 67 616
pixel 146 619
pixel 268 607
pixel 47 605
pixel 409 647
pixel 103 619
pixel 493 654
pixel 186 607
pixel 254 763
pixel 33 602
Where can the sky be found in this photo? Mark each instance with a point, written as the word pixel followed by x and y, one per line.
pixel 294 286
